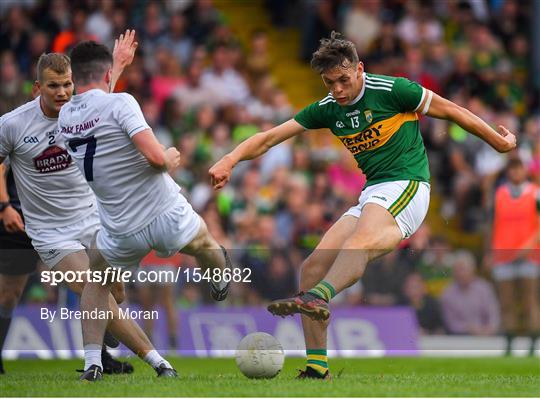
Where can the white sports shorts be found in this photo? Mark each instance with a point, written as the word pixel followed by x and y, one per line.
pixel 406 200
pixel 55 244
pixel 515 270
pixel 168 233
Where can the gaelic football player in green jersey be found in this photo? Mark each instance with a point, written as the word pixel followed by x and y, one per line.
pixel 376 118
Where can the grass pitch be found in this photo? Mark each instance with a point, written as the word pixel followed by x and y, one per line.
pixel 220 377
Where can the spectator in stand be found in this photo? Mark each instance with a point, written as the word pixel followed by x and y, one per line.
pixel 167 77
pixel 15 36
pixel 99 22
pixel 419 24
pixel 427 308
pixel 258 59
pixel 12 91
pixel 176 40
pixel 39 44
pixel 345 178
pixel 150 33
pixel 229 84
pixel 435 266
pixel 383 280
pixel 203 17
pixel 516 237
pixel 195 92
pixel 65 40
pixel 278 279
pixel 469 304
pixel 319 19
pixel 361 23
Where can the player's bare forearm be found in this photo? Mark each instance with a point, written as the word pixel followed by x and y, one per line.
pixel 123 53
pixel 159 158
pixel 4 197
pixel 252 148
pixel 502 141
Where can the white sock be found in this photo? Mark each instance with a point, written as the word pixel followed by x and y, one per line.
pixel 92 355
pixel 154 359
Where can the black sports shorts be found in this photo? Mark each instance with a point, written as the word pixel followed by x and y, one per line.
pixel 17 256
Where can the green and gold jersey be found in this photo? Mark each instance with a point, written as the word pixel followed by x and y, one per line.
pixel 380 128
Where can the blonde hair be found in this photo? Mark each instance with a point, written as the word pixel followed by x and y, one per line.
pixel 57 62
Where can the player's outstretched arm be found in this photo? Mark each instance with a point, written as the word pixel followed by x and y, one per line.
pixel 502 140
pixel 123 53
pixel 251 148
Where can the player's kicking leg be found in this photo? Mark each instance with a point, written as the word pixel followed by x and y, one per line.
pixel 210 254
pixel 372 235
pixel 379 229
pixel 376 233
pixel 98 296
pixel 313 269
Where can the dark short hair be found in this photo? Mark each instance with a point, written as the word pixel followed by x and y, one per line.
pixel 56 62
pixel 514 163
pixel 334 52
pixel 89 61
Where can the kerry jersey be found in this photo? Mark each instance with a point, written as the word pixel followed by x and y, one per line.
pixel 98 128
pixel 52 191
pixel 380 128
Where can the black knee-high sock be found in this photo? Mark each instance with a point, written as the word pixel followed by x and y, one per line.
pixel 534 338
pixel 5 321
pixel 509 338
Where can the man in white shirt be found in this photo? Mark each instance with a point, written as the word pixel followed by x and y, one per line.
pixel 140 205
pixel 59 207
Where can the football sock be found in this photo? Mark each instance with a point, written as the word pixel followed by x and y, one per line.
pixel 5 321
pixel 154 359
pixel 509 338
pixel 92 355
pixel 532 348
pixel 323 290
pixel 317 360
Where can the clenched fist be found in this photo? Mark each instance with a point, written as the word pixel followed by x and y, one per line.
pixel 509 137
pixel 220 173
pixel 173 158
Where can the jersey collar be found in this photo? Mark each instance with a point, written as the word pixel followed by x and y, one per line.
pixel 88 92
pixel 37 101
pixel 358 98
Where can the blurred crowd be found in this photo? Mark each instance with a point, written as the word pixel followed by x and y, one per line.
pixel 203 91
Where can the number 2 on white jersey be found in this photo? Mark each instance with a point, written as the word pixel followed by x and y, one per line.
pixel 91 143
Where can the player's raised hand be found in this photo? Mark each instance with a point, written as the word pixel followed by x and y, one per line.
pixel 220 173
pixel 173 158
pixel 124 49
pixel 509 137
pixel 12 220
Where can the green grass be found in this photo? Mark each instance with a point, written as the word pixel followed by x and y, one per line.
pixel 220 377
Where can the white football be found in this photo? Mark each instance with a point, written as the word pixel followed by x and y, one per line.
pixel 259 355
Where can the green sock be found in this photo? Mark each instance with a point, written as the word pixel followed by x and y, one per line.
pixel 323 290
pixel 317 360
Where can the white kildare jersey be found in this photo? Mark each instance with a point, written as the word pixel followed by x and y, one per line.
pixel 52 191
pixel 98 128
